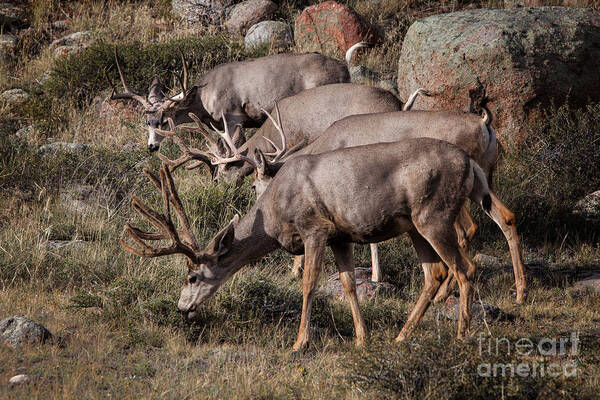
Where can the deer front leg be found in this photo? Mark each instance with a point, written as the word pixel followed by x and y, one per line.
pixel 376 269
pixel 314 250
pixel 506 220
pixel 297 267
pixel 434 272
pixel 344 259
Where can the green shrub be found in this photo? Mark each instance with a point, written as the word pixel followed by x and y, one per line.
pixel 543 177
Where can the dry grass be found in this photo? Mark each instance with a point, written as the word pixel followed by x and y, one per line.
pixel 118 332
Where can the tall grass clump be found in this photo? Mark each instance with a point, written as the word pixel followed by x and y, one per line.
pixel 542 178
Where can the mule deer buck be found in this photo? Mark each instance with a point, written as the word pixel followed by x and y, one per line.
pixel 237 90
pixel 362 194
pixel 471 133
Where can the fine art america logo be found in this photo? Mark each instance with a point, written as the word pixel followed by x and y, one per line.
pixel 529 357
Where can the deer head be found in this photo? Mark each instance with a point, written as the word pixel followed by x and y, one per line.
pixel 158 108
pixel 207 268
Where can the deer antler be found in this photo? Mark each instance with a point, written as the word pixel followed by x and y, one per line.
pixel 182 242
pixel 237 156
pixel 279 152
pixel 188 153
pixel 127 94
pixel 183 80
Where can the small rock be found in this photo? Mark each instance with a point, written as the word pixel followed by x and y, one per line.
pixel 589 206
pixel 590 283
pixel 360 74
pixel 64 146
pixel 248 13
pixel 15 96
pixel 276 33
pixel 484 259
pixel 451 310
pixel 8 43
pixel 45 77
pixel 25 132
pixel 83 38
pixel 11 14
pixel 19 380
pixel 365 288
pixel 82 199
pixel 60 25
pixel 16 331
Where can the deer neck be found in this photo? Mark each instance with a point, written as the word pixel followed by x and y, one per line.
pixel 251 240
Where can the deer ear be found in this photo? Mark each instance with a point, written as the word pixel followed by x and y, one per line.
pixel 190 97
pixel 221 243
pixel 261 162
pixel 239 138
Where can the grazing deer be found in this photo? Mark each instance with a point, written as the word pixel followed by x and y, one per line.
pixel 304 117
pixel 471 133
pixel 238 90
pixel 361 194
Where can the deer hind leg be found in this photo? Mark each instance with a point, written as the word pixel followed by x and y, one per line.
pixel 376 269
pixel 297 267
pixel 434 272
pixel 343 253
pixel 444 240
pixel 465 229
pixel 314 250
pixel 506 220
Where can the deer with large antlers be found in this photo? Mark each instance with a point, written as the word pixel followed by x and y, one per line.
pixel 473 134
pixel 356 195
pixel 238 90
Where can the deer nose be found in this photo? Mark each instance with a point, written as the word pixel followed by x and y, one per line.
pixel 153 147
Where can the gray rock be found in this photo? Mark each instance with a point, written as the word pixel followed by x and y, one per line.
pixel 64 146
pixel 82 199
pixel 15 96
pixel 589 206
pixel 202 11
pixel 591 283
pixel 45 77
pixel 451 310
pixel 8 43
pixel 11 14
pixel 25 132
pixel 365 288
pixel 247 13
pixel 275 33
pixel 71 44
pixel 16 331
pixel 60 25
pixel 83 38
pixel 526 58
pixel 19 379
pixel 361 75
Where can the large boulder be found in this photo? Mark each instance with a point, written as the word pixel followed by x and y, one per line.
pixel 526 59
pixel 250 12
pixel 16 331
pixel 11 14
pixel 71 44
pixel 332 28
pixel 203 11
pixel 274 33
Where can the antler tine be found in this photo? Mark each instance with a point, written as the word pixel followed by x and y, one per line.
pixel 179 210
pixel 127 94
pixel 188 154
pixel 203 129
pixel 184 84
pixel 278 152
pixel 188 246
